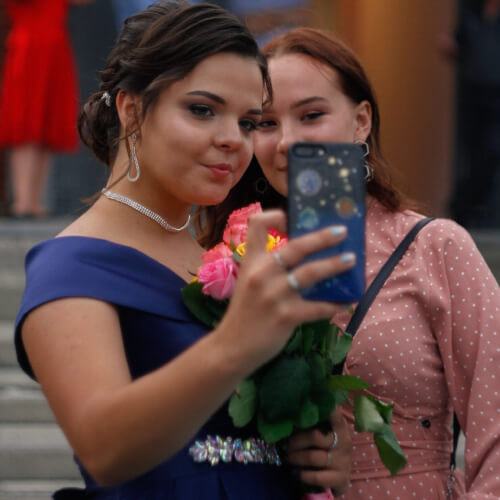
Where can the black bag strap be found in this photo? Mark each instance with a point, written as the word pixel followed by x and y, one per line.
pixel 369 296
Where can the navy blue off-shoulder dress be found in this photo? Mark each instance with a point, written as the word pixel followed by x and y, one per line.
pixel 156 327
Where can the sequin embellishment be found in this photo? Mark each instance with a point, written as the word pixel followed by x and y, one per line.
pixel 215 449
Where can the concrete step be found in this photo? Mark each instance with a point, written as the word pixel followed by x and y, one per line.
pixel 33 490
pixel 16 238
pixel 35 451
pixel 7 350
pixel 23 406
pixel 13 377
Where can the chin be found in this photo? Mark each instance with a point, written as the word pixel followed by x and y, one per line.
pixel 209 200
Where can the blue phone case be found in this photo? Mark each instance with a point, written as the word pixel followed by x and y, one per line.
pixel 326 187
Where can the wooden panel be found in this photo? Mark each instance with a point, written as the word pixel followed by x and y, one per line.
pixel 397 42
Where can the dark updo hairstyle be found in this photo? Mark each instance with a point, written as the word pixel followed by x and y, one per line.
pixel 325 48
pixel 156 48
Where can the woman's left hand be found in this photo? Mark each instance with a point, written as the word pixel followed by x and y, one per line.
pixel 324 459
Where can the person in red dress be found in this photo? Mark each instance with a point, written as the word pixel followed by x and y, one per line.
pixel 38 96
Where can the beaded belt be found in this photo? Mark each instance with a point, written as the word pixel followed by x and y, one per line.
pixel 252 450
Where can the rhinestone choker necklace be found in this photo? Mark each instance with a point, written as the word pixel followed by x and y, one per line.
pixel 145 211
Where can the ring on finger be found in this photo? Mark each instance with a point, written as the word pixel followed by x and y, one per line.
pixel 335 441
pixel 278 260
pixel 329 459
pixel 292 280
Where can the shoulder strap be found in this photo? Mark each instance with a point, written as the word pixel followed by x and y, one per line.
pixel 369 296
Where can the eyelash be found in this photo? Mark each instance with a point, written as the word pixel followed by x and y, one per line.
pixel 201 110
pixel 266 124
pixel 248 125
pixel 204 111
pixel 312 116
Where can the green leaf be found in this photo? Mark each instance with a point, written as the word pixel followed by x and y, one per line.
pixel 321 329
pixel 331 338
pixel 318 368
pixel 389 450
pixel 346 383
pixel 308 415
pixel 342 347
pixel 366 415
pixel 243 403
pixel 216 307
pixel 196 301
pixel 236 257
pixel 272 432
pixel 340 397
pixel 295 342
pixel 384 409
pixel 307 338
pixel 283 388
pixel 324 400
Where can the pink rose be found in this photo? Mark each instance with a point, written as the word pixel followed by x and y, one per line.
pixel 325 495
pixel 235 234
pixel 241 215
pixel 219 251
pixel 237 224
pixel 218 277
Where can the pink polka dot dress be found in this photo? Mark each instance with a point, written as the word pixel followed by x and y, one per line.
pixel 430 344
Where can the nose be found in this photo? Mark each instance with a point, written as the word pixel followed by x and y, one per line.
pixel 286 139
pixel 229 136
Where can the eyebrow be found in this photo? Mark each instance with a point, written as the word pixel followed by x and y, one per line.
pixel 308 100
pixel 268 105
pixel 220 100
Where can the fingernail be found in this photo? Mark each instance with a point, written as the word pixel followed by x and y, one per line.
pixel 348 257
pixel 337 230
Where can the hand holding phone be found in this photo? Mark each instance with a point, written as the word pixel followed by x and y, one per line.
pixel 326 187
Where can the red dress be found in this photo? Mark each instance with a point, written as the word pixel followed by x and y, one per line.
pixel 38 92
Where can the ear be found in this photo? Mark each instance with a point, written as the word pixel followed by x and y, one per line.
pixel 127 106
pixel 363 120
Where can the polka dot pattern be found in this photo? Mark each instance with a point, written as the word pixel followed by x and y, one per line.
pixel 429 344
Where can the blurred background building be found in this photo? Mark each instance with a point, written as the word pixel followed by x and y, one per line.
pixel 397 42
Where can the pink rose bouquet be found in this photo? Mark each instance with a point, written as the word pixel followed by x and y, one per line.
pixel 296 390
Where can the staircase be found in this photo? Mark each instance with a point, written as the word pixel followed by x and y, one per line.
pixel 35 459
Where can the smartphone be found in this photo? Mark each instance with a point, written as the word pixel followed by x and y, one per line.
pixel 326 187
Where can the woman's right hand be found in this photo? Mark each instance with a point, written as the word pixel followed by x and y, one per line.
pixel 265 308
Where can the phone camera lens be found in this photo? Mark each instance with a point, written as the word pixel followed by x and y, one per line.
pixel 305 151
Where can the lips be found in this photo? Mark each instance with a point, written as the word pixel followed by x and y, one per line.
pixel 220 169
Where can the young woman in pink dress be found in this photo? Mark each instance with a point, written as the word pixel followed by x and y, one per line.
pixel 430 343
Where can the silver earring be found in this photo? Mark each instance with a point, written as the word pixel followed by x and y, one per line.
pixel 133 158
pixel 369 174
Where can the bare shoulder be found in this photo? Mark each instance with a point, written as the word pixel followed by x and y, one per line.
pixel 80 333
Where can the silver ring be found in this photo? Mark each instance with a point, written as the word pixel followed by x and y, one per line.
pixel 335 441
pixel 293 281
pixel 278 259
pixel 329 458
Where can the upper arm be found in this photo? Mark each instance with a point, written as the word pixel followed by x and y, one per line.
pixel 76 351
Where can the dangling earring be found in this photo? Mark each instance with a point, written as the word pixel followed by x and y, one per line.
pixel 133 158
pixel 369 174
